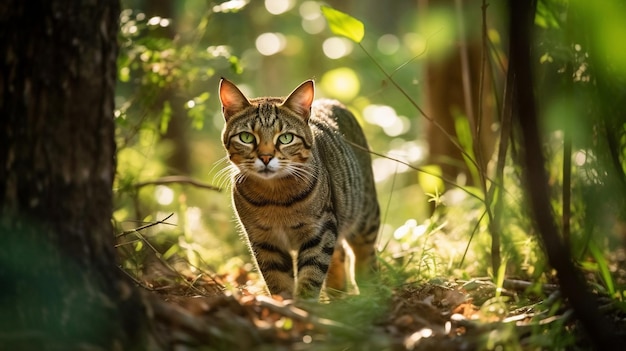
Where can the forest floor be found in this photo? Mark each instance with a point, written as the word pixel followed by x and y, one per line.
pixel 199 313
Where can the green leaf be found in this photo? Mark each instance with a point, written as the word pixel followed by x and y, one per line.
pixel 603 267
pixel 344 24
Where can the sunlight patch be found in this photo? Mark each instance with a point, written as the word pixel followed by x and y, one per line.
pixel 411 228
pixel 414 339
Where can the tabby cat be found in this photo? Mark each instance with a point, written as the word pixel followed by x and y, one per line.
pixel 302 188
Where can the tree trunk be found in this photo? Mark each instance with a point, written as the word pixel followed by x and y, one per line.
pixel 60 283
pixel 453 88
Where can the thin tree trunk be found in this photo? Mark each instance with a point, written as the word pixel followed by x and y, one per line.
pixel 571 283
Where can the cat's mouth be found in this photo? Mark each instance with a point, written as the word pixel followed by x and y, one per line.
pixel 267 173
pixel 266 170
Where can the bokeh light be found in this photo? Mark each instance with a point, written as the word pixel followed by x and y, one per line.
pixel 277 7
pixel 336 47
pixel 269 44
pixel 164 195
pixel 312 20
pixel 341 83
pixel 384 168
pixel 310 10
pixel 438 27
pixel 416 43
pixel 388 44
pixel 386 118
pixel 230 6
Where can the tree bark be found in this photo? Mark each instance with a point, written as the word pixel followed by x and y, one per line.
pixel 60 283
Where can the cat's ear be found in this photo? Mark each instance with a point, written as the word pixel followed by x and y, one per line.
pixel 232 99
pixel 300 100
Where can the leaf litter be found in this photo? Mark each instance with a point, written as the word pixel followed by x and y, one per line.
pixel 195 311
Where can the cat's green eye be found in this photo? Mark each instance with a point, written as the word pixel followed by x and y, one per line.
pixel 246 137
pixel 285 138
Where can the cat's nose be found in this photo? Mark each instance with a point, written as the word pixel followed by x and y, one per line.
pixel 266 158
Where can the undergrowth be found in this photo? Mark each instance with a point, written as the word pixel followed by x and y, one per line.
pixel 479 240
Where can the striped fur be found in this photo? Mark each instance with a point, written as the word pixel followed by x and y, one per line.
pixel 304 196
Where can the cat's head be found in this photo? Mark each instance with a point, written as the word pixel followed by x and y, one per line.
pixel 268 137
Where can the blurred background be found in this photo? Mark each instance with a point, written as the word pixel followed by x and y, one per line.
pixel 427 85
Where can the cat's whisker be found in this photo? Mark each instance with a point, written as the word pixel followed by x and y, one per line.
pixel 298 171
pixel 222 162
pixel 220 173
pixel 300 176
pixel 302 172
pixel 240 178
pixel 223 178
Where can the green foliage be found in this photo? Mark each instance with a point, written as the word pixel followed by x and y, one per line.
pixel 343 24
pixel 153 66
pixel 162 78
pixel 601 266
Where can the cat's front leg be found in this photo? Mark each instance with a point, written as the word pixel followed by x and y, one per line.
pixel 276 266
pixel 313 261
